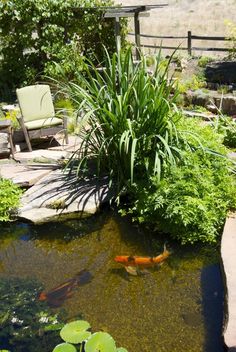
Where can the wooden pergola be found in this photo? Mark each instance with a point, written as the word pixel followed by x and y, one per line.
pixel 118 12
pixel 130 11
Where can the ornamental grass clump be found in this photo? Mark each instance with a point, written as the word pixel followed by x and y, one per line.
pixel 129 117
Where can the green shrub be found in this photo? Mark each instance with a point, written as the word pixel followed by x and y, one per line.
pixel 192 199
pixel 231 27
pixel 204 60
pixel 195 82
pixel 9 198
pixel 226 125
pixel 12 116
pixel 36 33
pixel 129 118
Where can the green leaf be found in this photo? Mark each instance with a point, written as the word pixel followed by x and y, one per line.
pixel 53 327
pixel 75 332
pixel 121 349
pixel 100 341
pixel 64 347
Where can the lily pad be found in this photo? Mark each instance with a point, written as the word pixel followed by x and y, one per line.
pixel 100 341
pixel 121 349
pixel 75 332
pixel 64 347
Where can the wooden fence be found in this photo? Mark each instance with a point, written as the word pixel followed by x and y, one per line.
pixel 189 40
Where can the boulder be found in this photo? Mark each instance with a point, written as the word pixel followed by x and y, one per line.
pixel 223 72
pixel 226 103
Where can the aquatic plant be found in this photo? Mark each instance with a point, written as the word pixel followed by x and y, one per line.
pixel 76 333
pixel 26 323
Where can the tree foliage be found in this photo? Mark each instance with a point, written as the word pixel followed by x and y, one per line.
pixel 36 33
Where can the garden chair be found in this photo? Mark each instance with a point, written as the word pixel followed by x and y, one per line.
pixel 38 117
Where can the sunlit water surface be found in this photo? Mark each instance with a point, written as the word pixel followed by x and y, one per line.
pixel 177 307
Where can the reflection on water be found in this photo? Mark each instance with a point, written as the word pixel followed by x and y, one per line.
pixel 177 307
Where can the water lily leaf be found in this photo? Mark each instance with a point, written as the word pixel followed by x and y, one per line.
pixel 100 341
pixel 75 332
pixel 121 349
pixel 64 347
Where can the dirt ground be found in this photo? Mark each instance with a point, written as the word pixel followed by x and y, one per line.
pixel 202 17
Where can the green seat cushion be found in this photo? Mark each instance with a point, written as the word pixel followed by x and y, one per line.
pixel 36 124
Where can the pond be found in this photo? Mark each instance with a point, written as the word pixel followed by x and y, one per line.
pixel 176 307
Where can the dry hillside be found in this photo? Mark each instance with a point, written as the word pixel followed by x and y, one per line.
pixel 202 17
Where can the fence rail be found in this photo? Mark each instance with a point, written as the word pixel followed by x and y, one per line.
pixel 189 38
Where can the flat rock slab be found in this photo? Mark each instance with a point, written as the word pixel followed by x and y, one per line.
pixel 226 103
pixel 40 154
pixel 58 196
pixel 228 254
pixel 25 175
pixel 232 155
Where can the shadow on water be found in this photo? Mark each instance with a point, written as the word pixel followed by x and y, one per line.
pixel 213 300
pixel 65 231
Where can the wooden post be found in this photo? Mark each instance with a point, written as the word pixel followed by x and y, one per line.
pixel 190 43
pixel 24 129
pixel 117 34
pixel 137 34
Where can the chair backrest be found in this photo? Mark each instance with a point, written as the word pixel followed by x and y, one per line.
pixel 35 102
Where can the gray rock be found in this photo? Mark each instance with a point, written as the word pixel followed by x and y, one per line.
pixel 223 72
pixel 226 103
pixel 59 195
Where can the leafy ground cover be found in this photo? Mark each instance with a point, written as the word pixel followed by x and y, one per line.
pixel 192 199
pixel 9 198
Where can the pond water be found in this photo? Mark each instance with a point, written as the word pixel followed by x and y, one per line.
pixel 177 307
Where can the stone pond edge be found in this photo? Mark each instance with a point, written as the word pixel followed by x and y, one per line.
pixel 228 264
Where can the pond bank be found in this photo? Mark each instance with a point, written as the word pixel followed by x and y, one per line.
pixel 228 255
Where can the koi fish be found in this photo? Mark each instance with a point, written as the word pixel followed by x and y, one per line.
pixel 135 264
pixel 56 296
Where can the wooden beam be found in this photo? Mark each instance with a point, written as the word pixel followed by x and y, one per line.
pixel 124 14
pixel 117 34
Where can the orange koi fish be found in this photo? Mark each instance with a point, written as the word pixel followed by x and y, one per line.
pixel 56 296
pixel 133 264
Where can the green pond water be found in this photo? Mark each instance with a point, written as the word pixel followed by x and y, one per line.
pixel 177 307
